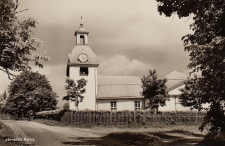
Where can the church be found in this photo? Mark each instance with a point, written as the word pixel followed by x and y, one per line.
pixel 114 92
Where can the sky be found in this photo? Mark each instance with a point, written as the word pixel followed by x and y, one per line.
pixel 129 37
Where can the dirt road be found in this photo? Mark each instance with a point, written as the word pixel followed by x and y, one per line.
pixel 44 135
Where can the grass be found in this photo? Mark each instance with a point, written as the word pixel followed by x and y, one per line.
pixel 118 128
pixel 6 132
pixel 50 122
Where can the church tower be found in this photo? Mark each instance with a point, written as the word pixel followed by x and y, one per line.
pixel 82 63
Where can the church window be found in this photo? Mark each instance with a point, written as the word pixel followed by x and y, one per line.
pixel 82 40
pixel 83 71
pixel 113 105
pixel 137 105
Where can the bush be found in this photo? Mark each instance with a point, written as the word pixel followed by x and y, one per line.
pixel 214 140
pixel 52 115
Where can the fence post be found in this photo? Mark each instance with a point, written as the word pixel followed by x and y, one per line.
pixel 78 117
pixel 71 117
pixel 196 118
pixel 89 119
pixel 111 118
pixel 127 114
pixel 135 118
pixel 101 118
pixel 154 118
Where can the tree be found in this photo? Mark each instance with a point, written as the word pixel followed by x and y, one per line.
pixel 191 96
pixel 29 92
pixel 3 98
pixel 154 90
pixel 207 54
pixel 16 41
pixel 75 91
pixel 66 105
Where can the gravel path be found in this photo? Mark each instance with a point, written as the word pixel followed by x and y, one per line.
pixel 43 135
pixel 32 133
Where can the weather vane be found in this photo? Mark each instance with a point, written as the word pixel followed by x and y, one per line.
pixel 81 24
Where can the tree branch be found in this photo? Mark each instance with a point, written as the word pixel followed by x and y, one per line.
pixel 8 73
pixel 16 6
pixel 21 11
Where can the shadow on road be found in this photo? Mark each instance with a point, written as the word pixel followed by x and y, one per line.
pixel 133 138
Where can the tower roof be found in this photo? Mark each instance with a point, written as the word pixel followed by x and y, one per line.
pixel 82 48
pixel 81 30
pixel 79 49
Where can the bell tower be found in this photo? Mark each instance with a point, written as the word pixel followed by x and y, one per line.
pixel 82 63
pixel 81 35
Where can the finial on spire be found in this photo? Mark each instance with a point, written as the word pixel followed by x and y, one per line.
pixel 81 24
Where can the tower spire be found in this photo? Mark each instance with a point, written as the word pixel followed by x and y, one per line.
pixel 81 24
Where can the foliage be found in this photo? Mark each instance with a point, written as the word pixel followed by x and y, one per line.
pixel 207 55
pixel 208 16
pixel 75 91
pixel 16 42
pixel 213 140
pixel 3 98
pixel 154 89
pixel 66 105
pixel 52 114
pixel 29 92
pixel 190 93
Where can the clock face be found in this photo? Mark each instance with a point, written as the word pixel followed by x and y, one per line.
pixel 83 57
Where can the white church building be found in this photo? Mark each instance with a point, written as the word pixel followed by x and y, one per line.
pixel 114 92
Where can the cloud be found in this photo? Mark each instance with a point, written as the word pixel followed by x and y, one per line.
pixel 128 37
pixel 4 82
pixel 129 28
pixel 121 65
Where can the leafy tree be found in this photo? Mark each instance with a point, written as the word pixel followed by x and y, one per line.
pixel 16 41
pixel 154 90
pixel 3 98
pixel 75 91
pixel 29 92
pixel 189 94
pixel 66 105
pixel 207 55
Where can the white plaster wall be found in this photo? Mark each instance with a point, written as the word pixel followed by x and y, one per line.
pixel 89 101
pixel 85 39
pixel 173 104
pixel 78 39
pixel 176 90
pixel 121 104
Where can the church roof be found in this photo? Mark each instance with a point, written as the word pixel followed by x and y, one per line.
pixel 119 80
pixel 111 87
pixel 73 57
pixel 174 79
pixel 119 86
